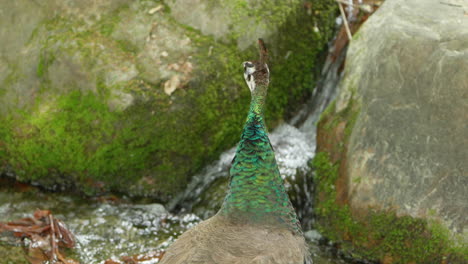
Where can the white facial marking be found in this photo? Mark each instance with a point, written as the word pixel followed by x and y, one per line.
pixel 249 69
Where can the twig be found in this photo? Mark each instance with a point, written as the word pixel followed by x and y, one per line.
pixel 52 237
pixel 343 15
pixel 450 4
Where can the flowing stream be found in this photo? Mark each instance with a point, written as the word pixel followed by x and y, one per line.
pixel 111 229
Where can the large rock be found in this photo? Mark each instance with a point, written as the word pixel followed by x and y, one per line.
pixel 406 91
pixel 128 96
pixel 408 149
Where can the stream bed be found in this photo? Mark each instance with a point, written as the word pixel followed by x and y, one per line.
pixel 107 230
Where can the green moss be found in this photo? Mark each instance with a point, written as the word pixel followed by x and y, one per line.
pixel 45 60
pixel 328 111
pixel 4 137
pixel 351 122
pixel 54 136
pixel 108 22
pixel 127 46
pixel 12 255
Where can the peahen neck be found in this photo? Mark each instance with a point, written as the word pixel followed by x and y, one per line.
pixel 256 191
pixel 257 105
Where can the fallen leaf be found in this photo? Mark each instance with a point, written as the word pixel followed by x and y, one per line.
pixel 111 261
pixel 171 85
pixel 187 67
pixel 38 214
pixel 173 66
pixel 36 256
pixel 154 10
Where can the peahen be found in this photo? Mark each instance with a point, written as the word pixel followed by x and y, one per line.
pixel 256 223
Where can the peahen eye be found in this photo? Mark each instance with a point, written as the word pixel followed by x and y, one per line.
pixel 248 77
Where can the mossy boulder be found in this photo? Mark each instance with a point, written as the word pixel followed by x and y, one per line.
pixel 391 168
pixel 125 96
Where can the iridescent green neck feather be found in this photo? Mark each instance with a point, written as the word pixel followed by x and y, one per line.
pixel 256 191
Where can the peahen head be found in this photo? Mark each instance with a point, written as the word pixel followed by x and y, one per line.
pixel 256 73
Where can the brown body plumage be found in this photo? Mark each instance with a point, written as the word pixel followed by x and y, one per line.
pixel 220 241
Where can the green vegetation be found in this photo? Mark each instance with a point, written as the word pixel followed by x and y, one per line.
pixel 45 60
pixel 12 254
pixel 108 24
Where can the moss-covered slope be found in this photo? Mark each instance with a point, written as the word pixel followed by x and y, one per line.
pixel 119 95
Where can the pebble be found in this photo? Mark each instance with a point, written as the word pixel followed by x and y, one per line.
pixel 313 235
